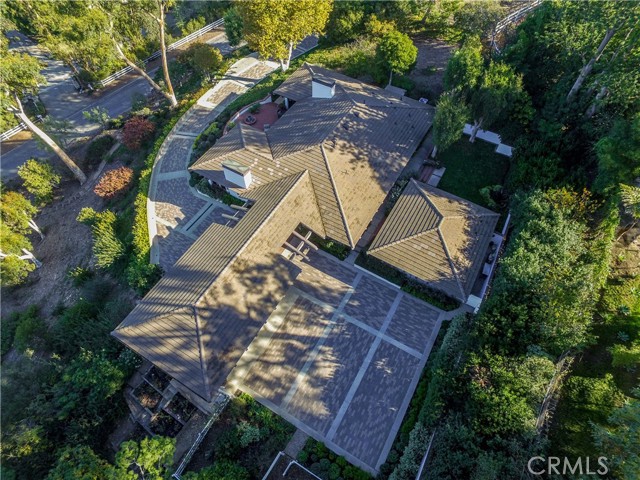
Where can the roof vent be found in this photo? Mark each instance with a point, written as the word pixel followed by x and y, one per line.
pixel 237 173
pixel 323 88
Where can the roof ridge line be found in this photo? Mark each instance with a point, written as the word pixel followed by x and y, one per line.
pixel 401 240
pixel 335 192
pixel 251 237
pixel 202 351
pixel 426 197
pixel 450 260
pixel 162 315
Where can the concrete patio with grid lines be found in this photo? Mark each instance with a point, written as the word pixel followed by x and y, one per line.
pixel 340 358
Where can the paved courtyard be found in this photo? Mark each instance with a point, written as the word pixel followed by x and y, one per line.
pixel 340 358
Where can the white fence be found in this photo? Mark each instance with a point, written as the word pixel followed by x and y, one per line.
pixel 10 133
pixel 509 19
pixel 173 46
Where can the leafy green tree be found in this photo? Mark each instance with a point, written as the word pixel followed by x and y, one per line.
pixel 150 458
pixel 274 27
pixel 17 212
pixel 626 356
pixel 619 154
pixel 500 87
pixel 80 463
pixel 465 67
pixel 31 331
pixel 39 179
pixel 451 115
pixel 204 58
pixel 396 52
pixel 14 269
pixel 478 18
pixel 621 438
pixel 20 74
pixel 233 26
pixel 346 21
pixel 99 115
pixel 220 470
pixel 107 248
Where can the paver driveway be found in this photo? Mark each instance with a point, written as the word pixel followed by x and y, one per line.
pixel 340 358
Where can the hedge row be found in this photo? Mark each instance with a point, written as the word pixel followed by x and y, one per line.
pixel 141 274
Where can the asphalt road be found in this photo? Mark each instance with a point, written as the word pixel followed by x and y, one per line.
pixel 63 101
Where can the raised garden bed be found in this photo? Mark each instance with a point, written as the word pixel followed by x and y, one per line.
pixel 158 379
pixel 181 408
pixel 165 425
pixel 147 396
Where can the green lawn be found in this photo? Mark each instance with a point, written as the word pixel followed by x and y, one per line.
pixel 470 167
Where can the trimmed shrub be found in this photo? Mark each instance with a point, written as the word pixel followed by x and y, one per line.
pixel 114 182
pixel 136 131
pixel 39 179
pixel 31 330
pixel 107 248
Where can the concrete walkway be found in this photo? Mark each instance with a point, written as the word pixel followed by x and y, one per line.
pixel 177 213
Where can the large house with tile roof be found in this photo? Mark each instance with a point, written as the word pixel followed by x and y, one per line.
pixel 327 166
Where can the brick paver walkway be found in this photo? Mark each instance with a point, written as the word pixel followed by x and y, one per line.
pixel 177 213
pixel 174 206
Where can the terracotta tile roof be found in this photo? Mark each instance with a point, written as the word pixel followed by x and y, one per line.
pixel 437 237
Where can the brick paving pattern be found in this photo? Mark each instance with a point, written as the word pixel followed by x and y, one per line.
pixel 320 395
pixel 349 384
pixel 365 426
pixel 170 204
pixel 370 302
pixel 411 324
pixel 172 244
pixel 176 155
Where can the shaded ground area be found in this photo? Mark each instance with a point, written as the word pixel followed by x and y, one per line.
pixel 340 357
pixel 431 63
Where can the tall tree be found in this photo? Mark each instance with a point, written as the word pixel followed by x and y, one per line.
pixel 20 75
pixel 149 458
pixel 498 90
pixel 17 212
pixel 465 67
pixel 275 27
pixel 609 23
pixel 233 26
pixel 451 115
pixel 126 23
pixel 80 463
pixel 620 440
pixel 13 267
pixel 397 52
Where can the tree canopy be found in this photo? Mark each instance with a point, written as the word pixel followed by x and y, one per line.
pixel 397 52
pixel 275 27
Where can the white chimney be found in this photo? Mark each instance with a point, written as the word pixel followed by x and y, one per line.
pixel 322 88
pixel 236 173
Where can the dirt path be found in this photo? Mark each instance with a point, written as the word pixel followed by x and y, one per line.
pixel 428 73
pixel 67 244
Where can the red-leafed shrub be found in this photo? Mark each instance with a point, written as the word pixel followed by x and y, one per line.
pixel 136 131
pixel 114 182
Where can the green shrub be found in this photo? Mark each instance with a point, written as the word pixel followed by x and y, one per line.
pixel 98 149
pixel 31 331
pixel 107 248
pixel 79 275
pixel 248 434
pixel 39 179
pixel 8 331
